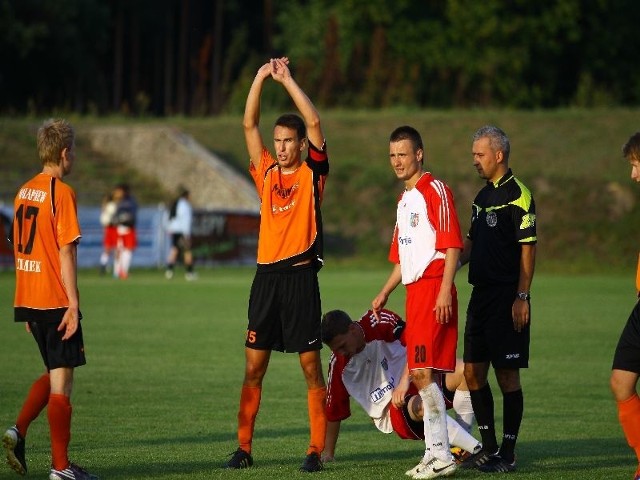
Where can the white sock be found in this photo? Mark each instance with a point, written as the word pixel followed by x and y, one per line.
pixel 125 261
pixel 435 422
pixel 459 437
pixel 464 409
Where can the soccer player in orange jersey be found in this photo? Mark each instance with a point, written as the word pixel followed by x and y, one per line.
pixel 626 362
pixel 284 304
pixel 45 236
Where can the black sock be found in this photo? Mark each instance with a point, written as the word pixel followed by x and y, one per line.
pixel 482 401
pixel 513 408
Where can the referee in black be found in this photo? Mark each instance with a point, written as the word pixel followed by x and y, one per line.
pixel 500 249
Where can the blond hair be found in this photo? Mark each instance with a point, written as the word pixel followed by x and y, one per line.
pixel 54 135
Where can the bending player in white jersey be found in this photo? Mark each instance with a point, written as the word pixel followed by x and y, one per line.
pixel 369 363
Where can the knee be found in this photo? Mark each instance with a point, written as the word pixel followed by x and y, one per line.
pixel 253 374
pixel 474 380
pixel 620 387
pixel 508 380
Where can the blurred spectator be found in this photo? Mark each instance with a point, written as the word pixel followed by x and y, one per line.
pixel 125 219
pixel 179 228
pixel 110 237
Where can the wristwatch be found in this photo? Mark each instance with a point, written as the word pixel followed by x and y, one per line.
pixel 524 296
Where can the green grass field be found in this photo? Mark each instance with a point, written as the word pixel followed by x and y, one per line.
pixel 158 397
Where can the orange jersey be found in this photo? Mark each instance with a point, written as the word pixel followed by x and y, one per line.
pixel 290 219
pixel 638 275
pixel 45 219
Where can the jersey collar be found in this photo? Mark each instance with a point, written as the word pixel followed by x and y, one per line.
pixel 502 180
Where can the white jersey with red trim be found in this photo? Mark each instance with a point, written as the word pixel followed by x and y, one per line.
pixel 427 224
pixel 370 375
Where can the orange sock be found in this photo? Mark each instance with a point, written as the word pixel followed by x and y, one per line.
pixel 35 402
pixel 249 406
pixel 59 413
pixel 316 400
pixel 629 416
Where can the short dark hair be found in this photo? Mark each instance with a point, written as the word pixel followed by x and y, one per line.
pixel 631 149
pixel 334 323
pixel 406 132
pixel 294 122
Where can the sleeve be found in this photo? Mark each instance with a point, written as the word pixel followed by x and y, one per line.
pixel 318 162
pixel 442 211
pixel 258 173
pixel 638 276
pixel 389 328
pixel 394 255
pixel 67 226
pixel 338 404
pixel 525 221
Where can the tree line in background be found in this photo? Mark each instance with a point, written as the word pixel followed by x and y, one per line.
pixel 198 57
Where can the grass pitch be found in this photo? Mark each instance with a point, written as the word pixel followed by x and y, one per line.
pixel 159 395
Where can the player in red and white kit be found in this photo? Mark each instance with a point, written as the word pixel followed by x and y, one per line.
pixel 425 250
pixel 369 363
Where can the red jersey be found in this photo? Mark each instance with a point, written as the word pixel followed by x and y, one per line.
pixel 45 219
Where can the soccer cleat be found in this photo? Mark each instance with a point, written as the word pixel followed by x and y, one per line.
pixel 312 463
pixel 190 276
pixel 240 459
pixel 418 468
pixel 477 459
pixel 459 454
pixel 168 274
pixel 437 468
pixel 72 472
pixel 13 443
pixel 497 464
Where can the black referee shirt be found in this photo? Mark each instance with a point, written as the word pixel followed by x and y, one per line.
pixel 503 217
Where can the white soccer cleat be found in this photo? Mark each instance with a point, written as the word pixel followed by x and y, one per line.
pixel 437 468
pixel 418 468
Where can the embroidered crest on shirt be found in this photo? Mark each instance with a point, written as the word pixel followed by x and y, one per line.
pixel 492 219
pixel 415 219
pixel 385 364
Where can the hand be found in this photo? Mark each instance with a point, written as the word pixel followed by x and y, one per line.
pixel 444 306
pixel 264 71
pixel 378 304
pixel 280 69
pixel 69 323
pixel 520 314
pixel 398 396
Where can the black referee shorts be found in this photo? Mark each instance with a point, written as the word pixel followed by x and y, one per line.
pixel 627 354
pixel 489 335
pixel 285 310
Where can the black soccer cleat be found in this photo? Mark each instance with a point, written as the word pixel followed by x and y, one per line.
pixel 240 459
pixel 13 443
pixel 497 464
pixel 312 463
pixel 476 460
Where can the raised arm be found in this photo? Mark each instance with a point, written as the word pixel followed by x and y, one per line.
pixel 251 120
pixel 282 74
